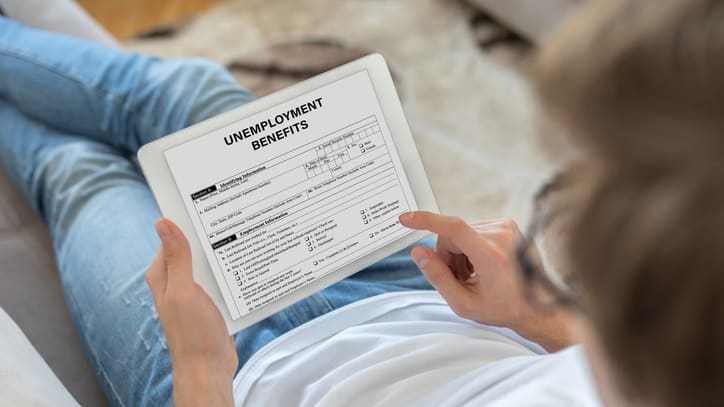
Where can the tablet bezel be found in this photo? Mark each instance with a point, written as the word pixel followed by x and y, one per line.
pixel 161 182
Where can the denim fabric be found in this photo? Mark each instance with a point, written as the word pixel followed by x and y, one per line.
pixel 72 114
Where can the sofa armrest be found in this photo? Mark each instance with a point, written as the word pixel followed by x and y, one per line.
pixel 25 378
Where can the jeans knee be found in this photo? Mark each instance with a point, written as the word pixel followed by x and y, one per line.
pixel 205 71
pixel 74 173
pixel 202 89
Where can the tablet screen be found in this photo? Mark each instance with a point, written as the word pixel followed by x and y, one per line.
pixel 287 195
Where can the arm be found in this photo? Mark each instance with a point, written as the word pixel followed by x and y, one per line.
pixel 474 269
pixel 203 355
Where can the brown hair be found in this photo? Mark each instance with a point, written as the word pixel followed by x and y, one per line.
pixel 639 85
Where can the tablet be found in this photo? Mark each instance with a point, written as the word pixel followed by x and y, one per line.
pixel 290 193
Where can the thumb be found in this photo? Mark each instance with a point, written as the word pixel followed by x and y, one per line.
pixel 176 251
pixel 441 277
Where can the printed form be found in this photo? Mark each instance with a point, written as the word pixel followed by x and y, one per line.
pixel 292 193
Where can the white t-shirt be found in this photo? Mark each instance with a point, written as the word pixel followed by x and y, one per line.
pixel 409 349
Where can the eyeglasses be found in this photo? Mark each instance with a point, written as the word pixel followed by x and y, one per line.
pixel 541 290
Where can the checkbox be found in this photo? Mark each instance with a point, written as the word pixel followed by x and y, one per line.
pixel 309 243
pixel 306 238
pixel 236 273
pixel 362 211
pixel 239 283
pixel 310 249
pixel 366 222
pixel 238 278
pixel 364 216
pixel 315 262
pixel 372 235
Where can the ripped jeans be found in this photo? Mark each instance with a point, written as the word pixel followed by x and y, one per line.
pixel 72 114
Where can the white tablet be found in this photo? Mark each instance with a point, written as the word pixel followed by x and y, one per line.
pixel 288 194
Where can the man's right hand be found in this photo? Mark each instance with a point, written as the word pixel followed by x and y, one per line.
pixel 474 268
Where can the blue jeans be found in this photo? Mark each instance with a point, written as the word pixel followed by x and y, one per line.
pixel 72 114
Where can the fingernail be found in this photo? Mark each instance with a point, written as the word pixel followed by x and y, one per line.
pixel 406 217
pixel 163 231
pixel 420 258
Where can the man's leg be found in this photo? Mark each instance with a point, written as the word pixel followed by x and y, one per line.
pixel 99 210
pixel 105 94
pixel 100 214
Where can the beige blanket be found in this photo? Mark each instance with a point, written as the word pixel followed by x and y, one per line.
pixel 472 117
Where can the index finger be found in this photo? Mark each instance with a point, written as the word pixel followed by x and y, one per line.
pixel 450 228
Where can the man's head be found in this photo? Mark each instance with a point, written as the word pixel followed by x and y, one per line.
pixel 639 86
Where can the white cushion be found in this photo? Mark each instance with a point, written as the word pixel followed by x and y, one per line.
pixel 25 378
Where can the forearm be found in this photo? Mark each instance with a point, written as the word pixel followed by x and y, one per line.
pixel 201 387
pixel 551 330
